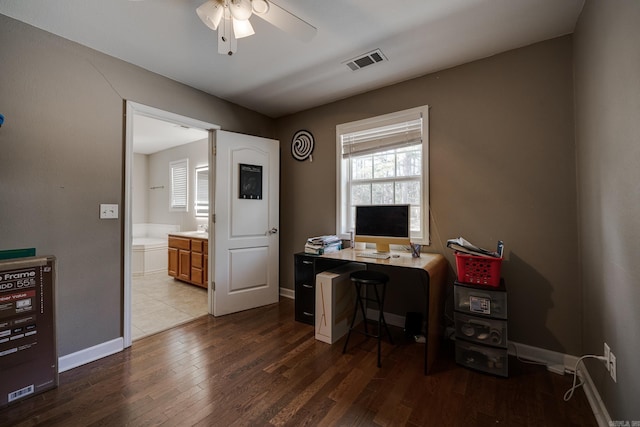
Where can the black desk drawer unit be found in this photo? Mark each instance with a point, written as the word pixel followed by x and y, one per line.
pixel 480 315
pixel 306 268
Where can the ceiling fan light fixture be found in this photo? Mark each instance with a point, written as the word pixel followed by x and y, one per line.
pixel 242 28
pixel 240 9
pixel 211 13
pixel 260 6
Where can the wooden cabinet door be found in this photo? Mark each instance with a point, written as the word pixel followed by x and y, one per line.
pixel 184 262
pixel 173 262
pixel 196 268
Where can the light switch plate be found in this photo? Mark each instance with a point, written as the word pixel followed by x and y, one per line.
pixel 108 211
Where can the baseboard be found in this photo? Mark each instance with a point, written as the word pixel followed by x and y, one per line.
pixel 90 354
pixel 288 293
pixel 560 363
pixel 595 401
pixel 390 318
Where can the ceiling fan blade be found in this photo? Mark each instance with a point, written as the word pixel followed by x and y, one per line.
pixel 288 22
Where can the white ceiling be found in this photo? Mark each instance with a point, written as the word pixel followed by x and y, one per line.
pixel 153 135
pixel 276 74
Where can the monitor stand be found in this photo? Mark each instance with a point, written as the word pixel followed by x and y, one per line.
pixel 383 248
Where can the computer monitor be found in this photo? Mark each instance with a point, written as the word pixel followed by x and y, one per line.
pixel 383 225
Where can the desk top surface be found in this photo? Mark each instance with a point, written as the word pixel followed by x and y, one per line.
pixel 426 261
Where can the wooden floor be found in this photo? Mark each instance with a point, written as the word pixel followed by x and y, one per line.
pixel 260 368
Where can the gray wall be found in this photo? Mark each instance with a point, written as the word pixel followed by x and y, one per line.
pixel 159 212
pixel 502 160
pixel 61 155
pixel 607 93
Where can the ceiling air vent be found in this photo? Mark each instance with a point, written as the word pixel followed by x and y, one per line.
pixel 365 60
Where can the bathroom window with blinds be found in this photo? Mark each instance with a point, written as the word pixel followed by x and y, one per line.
pixel 179 175
pixel 384 160
pixel 202 191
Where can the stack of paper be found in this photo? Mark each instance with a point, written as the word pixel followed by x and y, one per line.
pixel 323 245
pixel 461 245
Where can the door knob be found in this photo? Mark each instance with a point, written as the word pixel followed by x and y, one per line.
pixel 274 230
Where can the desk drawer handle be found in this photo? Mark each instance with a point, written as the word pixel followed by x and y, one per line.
pixel 304 285
pixel 307 262
pixel 307 313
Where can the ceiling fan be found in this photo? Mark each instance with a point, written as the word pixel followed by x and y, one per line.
pixel 230 18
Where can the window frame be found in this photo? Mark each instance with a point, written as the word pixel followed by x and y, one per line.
pixel 343 169
pixel 201 211
pixel 184 182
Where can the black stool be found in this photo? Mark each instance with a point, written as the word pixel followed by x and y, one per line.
pixel 370 279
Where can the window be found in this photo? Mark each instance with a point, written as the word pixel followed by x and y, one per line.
pixel 384 160
pixel 179 184
pixel 202 191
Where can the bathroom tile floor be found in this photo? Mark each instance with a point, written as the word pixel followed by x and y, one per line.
pixel 158 302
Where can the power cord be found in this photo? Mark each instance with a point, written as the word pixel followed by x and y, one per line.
pixel 569 394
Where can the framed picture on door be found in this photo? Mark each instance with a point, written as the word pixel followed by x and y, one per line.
pixel 250 182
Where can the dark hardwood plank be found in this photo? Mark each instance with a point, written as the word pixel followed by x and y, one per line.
pixel 261 368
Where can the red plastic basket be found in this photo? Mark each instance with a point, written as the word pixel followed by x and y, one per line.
pixel 477 270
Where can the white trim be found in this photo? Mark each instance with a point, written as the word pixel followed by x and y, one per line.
pixel 134 108
pixel 595 401
pixel 156 113
pixel 90 354
pixel 558 363
pixel 287 293
pixel 128 221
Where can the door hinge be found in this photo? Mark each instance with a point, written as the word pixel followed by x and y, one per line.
pixel 213 286
pixel 214 218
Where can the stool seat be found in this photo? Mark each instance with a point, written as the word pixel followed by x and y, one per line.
pixel 369 277
pixel 374 280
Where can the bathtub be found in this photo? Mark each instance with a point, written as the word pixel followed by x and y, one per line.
pixel 149 248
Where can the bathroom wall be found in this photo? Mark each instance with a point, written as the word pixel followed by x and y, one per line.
pixel 139 190
pixel 158 176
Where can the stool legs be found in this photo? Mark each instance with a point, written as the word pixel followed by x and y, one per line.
pixel 359 305
pixel 362 309
pixel 381 321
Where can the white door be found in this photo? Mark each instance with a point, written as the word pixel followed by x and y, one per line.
pixel 246 222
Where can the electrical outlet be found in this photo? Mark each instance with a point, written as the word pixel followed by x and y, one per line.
pixel 108 211
pixel 607 352
pixel 613 366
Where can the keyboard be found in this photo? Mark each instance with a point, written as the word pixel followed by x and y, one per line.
pixel 376 255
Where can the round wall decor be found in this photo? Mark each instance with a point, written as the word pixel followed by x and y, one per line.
pixel 302 145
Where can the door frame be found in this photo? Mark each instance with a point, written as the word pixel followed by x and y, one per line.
pixel 131 109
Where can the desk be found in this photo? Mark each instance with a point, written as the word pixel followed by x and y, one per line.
pixel 433 268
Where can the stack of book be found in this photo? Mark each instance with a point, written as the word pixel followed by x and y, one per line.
pixel 322 245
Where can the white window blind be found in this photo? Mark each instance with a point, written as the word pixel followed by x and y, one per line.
pixel 382 138
pixel 202 191
pixel 179 184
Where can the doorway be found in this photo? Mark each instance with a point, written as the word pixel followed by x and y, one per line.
pixel 157 135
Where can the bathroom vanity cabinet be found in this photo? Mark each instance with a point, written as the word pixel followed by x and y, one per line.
pixel 188 258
